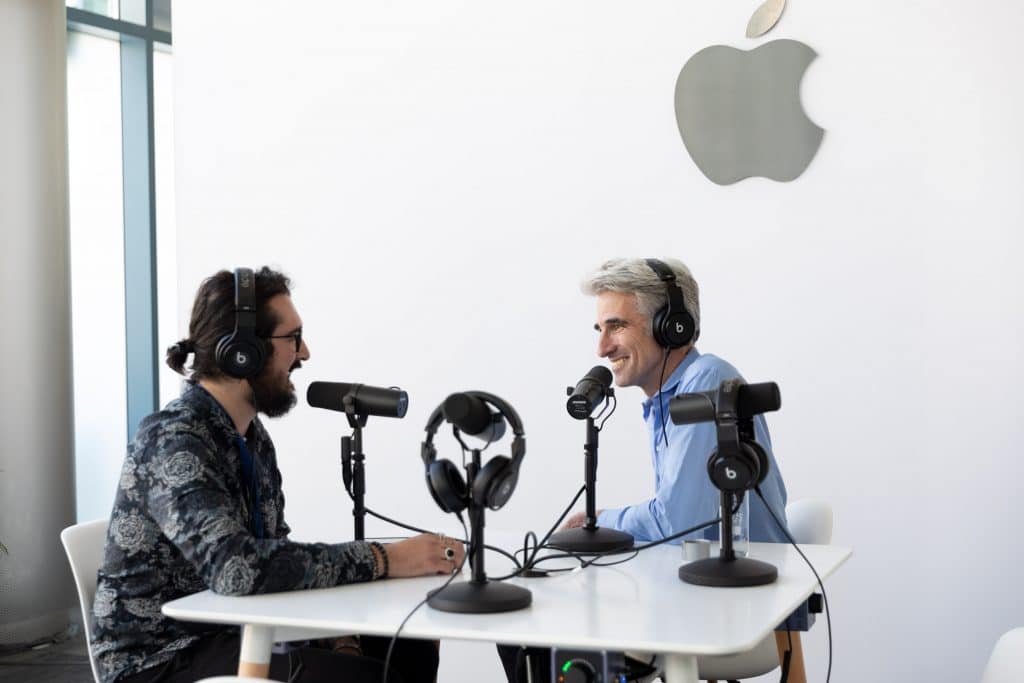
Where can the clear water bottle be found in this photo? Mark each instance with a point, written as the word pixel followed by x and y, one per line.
pixel 740 527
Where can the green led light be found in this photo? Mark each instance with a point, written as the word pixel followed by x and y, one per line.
pixel 566 666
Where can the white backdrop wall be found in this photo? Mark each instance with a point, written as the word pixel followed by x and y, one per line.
pixel 437 178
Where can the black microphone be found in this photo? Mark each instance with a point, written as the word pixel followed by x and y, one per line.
pixel 589 392
pixel 365 400
pixel 473 416
pixel 700 406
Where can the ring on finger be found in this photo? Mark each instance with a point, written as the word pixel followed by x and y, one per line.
pixel 449 553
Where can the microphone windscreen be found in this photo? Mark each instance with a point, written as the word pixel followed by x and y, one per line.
pixel 328 395
pixel 754 399
pixel 601 374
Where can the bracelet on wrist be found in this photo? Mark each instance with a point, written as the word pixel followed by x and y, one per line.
pixel 380 561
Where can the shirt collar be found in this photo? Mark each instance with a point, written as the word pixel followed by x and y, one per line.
pixel 204 401
pixel 668 389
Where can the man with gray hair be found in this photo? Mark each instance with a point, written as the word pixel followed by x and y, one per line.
pixel 648 321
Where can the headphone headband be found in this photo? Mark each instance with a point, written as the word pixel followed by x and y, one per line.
pixel 245 290
pixel 428 452
pixel 672 288
pixel 240 354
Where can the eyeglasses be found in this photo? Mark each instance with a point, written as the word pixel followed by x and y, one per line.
pixel 296 335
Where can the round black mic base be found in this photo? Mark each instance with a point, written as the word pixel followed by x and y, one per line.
pixel 742 571
pixel 480 598
pixel 596 540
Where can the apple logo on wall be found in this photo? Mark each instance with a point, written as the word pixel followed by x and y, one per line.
pixel 739 111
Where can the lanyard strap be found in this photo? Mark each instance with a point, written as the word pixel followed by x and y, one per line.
pixel 253 485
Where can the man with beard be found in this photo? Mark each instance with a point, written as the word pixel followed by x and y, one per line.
pixel 199 506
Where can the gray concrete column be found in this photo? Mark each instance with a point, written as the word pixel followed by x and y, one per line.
pixel 36 430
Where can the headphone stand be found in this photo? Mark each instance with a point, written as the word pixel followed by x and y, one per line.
pixel 727 570
pixel 591 538
pixel 352 470
pixel 478 595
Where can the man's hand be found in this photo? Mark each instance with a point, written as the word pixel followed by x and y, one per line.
pixel 576 521
pixel 423 555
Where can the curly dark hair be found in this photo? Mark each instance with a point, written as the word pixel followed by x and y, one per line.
pixel 213 317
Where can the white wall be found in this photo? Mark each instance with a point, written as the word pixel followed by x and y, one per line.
pixel 438 177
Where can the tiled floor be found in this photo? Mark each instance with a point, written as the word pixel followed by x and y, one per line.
pixel 66 662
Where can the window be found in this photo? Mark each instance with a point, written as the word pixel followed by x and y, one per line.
pixel 121 194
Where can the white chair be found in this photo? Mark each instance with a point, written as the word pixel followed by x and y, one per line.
pixel 1006 663
pixel 83 544
pixel 809 521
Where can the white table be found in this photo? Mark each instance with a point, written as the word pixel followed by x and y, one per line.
pixel 640 605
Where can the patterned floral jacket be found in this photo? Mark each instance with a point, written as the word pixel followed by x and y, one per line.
pixel 181 523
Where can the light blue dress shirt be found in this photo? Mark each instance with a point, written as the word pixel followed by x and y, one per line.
pixel 683 493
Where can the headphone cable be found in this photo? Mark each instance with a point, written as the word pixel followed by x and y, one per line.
pixel 409 527
pixel 529 563
pixel 394 638
pixel 661 400
pixel 635 550
pixel 828 618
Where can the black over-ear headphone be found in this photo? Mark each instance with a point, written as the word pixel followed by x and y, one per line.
pixel 738 464
pixel 493 484
pixel 673 326
pixel 240 354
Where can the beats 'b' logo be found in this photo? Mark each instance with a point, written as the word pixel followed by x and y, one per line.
pixel 241 359
pixel 730 473
pixel 680 328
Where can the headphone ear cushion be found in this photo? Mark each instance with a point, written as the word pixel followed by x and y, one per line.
pixel 677 328
pixel 761 457
pixel 658 327
pixel 239 357
pixel 733 474
pixel 495 482
pixel 446 486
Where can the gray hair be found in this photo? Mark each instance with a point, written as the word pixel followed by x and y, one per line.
pixel 634 276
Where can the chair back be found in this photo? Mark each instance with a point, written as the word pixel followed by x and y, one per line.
pixel 810 521
pixel 1006 664
pixel 83 544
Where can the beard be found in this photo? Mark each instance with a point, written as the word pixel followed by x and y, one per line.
pixel 273 396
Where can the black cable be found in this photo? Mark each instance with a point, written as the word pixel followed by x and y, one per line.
pixel 637 669
pixel 612 564
pixel 661 401
pixel 821 585
pixel 418 530
pixel 614 403
pixel 425 531
pixel 394 638
pixel 528 563
pixel 634 550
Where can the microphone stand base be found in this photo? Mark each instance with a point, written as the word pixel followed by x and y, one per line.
pixel 720 573
pixel 596 540
pixel 471 597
